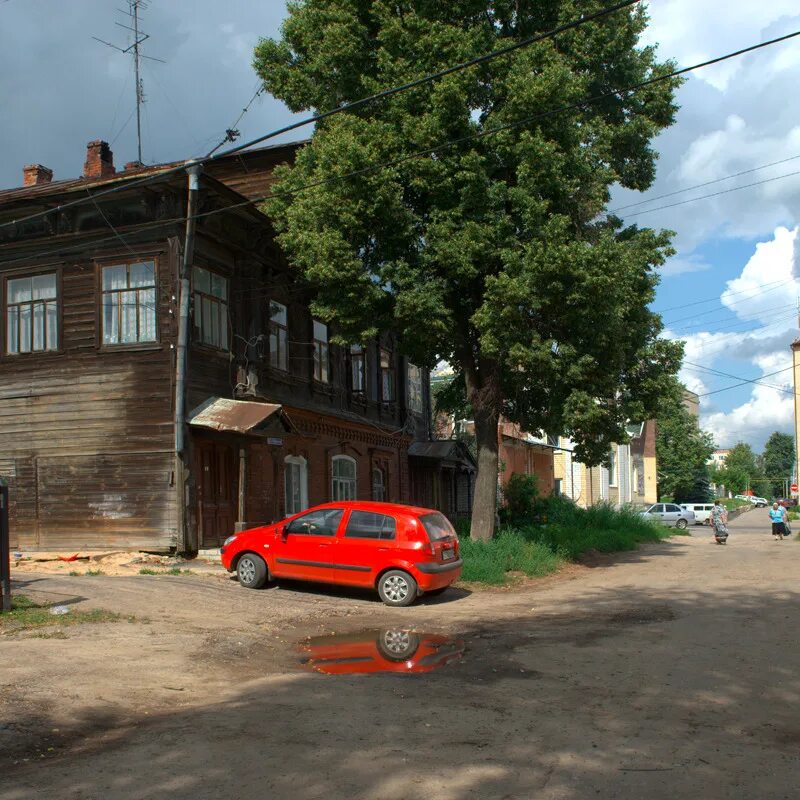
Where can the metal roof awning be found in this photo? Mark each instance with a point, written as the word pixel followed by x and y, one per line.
pixel 451 451
pixel 240 416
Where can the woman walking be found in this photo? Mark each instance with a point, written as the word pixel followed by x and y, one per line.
pixel 778 516
pixel 719 520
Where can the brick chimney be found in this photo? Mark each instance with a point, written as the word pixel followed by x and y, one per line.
pixel 34 174
pixel 99 160
pixel 133 165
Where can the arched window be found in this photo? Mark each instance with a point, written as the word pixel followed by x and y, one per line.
pixel 295 481
pixel 378 484
pixel 343 480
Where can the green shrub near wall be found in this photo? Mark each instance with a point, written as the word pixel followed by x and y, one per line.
pixel 550 532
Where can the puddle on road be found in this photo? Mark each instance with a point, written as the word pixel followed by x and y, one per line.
pixel 397 650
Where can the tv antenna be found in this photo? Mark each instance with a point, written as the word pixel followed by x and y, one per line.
pixel 139 36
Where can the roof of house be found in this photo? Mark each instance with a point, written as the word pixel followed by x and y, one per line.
pixel 452 450
pixel 249 173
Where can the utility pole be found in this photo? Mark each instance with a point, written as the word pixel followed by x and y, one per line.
pixel 139 36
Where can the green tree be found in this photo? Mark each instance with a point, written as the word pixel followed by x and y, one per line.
pixel 741 471
pixel 778 461
pixel 682 450
pixel 493 254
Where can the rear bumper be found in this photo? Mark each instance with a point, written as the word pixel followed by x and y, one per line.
pixel 433 569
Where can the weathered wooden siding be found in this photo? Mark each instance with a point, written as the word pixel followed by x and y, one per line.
pixel 88 432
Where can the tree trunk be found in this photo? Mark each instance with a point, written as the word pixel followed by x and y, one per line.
pixel 484 503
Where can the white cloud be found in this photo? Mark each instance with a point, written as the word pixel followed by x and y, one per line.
pixel 681 266
pixel 691 35
pixel 767 288
pixel 764 287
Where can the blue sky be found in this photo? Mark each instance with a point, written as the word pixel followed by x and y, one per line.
pixel 737 253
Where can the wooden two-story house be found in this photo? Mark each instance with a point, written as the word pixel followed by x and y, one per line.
pixel 277 417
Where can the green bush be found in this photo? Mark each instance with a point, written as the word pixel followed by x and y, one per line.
pixel 563 531
pixel 520 493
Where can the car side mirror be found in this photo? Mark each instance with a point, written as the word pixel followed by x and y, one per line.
pixel 284 532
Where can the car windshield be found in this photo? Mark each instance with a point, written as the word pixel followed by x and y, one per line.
pixel 437 526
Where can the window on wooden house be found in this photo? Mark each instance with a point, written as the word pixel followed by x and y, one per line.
pixel 387 376
pixel 358 372
pixel 343 478
pixel 278 336
pixel 414 398
pixel 295 484
pixel 210 308
pixel 321 359
pixel 32 314
pixel 129 303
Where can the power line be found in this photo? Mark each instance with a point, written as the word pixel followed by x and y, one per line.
pixel 392 163
pixel 775 286
pixel 718 298
pixel 703 327
pixel 739 377
pixel 697 329
pixel 745 382
pixel 714 194
pixel 232 133
pixel 701 185
pixel 389 93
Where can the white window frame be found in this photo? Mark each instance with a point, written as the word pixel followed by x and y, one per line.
pixel 47 309
pixel 414 388
pixel 135 297
pixel 295 467
pixel 216 305
pixel 343 487
pixel 613 464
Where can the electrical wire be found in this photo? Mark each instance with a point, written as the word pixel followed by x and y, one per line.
pixel 775 287
pixel 385 165
pixel 717 298
pixel 232 132
pixel 714 194
pixel 389 93
pixel 739 377
pixel 704 328
pixel 702 185
pixel 746 382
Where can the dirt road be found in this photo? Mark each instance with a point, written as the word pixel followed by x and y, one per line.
pixel 668 673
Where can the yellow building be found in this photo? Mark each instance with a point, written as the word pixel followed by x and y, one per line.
pixel 630 477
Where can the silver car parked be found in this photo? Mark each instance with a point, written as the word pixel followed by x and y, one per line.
pixel 669 514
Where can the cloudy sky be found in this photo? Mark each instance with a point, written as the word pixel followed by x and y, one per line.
pixel 731 291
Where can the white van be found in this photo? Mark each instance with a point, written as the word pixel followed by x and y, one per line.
pixel 702 511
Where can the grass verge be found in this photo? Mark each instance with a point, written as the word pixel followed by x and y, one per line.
pixel 561 532
pixel 26 615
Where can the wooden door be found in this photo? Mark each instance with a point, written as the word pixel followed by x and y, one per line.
pixel 217 491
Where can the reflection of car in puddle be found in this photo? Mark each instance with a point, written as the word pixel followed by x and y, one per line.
pixel 386 650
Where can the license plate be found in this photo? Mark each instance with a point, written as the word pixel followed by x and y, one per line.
pixel 447 554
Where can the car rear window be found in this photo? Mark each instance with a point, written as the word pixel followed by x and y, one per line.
pixel 437 526
pixel 368 525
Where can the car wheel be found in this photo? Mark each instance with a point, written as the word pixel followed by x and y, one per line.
pixel 396 644
pixel 252 571
pixel 682 524
pixel 397 588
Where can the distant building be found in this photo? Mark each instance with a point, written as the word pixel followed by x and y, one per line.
pixel 691 402
pixel 718 458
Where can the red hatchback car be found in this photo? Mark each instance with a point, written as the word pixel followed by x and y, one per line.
pixel 402 551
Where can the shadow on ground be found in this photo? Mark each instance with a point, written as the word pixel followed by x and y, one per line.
pixel 624 693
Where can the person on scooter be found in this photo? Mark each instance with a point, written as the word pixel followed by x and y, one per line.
pixel 778 516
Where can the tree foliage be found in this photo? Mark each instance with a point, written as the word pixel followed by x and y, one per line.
pixel 741 471
pixel 778 461
pixel 682 450
pixel 493 254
